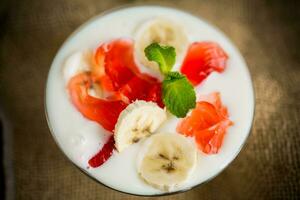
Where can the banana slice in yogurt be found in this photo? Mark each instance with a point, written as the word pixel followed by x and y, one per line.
pixel 167 160
pixel 139 120
pixel 163 31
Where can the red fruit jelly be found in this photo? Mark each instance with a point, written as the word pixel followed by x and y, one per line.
pixel 203 58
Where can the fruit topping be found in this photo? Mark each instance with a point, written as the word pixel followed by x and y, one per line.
pixel 203 58
pixel 103 111
pixel 104 154
pixel 142 87
pixel 117 71
pixel 139 120
pixel 208 122
pixel 167 160
pixel 163 31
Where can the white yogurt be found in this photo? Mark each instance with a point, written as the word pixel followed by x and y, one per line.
pixel 80 138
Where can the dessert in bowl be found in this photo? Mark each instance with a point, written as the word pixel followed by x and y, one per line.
pixel 149 100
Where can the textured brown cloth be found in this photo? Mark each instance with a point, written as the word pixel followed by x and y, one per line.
pixel 267 34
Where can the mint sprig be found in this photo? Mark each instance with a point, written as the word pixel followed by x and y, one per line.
pixel 177 92
pixel 164 56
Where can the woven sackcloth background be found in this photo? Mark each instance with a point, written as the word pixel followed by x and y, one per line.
pixel 267 34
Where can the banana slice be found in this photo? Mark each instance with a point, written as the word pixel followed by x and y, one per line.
pixel 167 160
pixel 78 62
pixel 163 31
pixel 137 121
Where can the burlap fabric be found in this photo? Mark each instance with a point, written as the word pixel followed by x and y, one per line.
pixel 266 32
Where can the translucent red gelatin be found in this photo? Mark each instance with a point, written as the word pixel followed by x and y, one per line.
pixel 104 154
pixel 210 140
pixel 117 71
pixel 142 87
pixel 203 58
pixel 208 122
pixel 105 112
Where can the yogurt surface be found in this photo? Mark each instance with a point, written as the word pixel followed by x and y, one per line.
pixel 80 138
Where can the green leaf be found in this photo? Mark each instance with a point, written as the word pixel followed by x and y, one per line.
pixel 164 56
pixel 178 94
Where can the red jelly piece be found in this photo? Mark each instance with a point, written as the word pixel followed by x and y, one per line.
pixel 208 122
pixel 154 95
pixel 203 58
pixel 210 140
pixel 142 87
pixel 106 83
pixel 104 154
pixel 215 99
pixel 105 112
pixel 115 60
pixel 116 70
pixel 202 117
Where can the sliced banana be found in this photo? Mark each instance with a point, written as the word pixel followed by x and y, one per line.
pixel 167 160
pixel 165 32
pixel 137 121
pixel 78 62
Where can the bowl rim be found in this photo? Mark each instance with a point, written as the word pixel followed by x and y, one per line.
pixel 136 5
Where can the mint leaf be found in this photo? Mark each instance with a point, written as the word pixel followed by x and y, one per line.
pixel 178 94
pixel 164 56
